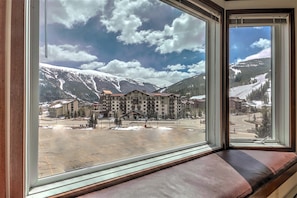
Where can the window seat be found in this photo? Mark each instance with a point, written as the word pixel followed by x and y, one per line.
pixel 229 173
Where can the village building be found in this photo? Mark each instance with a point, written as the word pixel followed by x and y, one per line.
pixel 65 107
pixel 237 105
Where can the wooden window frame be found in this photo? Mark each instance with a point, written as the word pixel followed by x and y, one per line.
pixel 12 90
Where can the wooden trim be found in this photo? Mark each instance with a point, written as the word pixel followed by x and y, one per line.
pixel 17 93
pixel 292 99
pixel 2 100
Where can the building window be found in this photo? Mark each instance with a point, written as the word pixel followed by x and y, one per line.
pixel 260 78
pixel 186 38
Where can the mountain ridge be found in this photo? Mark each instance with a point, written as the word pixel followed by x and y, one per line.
pixel 58 82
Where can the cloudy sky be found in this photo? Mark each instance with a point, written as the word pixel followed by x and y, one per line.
pixel 144 40
pixel 247 43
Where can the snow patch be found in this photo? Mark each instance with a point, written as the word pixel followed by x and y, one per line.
pixel 61 83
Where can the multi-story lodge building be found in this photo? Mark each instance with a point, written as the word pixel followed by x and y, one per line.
pixel 65 107
pixel 137 104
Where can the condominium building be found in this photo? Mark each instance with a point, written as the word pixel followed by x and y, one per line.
pixel 138 104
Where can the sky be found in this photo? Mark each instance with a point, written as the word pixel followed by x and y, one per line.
pixel 145 40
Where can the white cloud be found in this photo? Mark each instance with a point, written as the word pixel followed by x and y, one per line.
pixel 184 33
pixel 197 68
pixel 265 53
pixel 176 67
pixel 123 19
pixel 71 12
pixel 92 66
pixel 261 43
pixel 134 70
pixel 65 53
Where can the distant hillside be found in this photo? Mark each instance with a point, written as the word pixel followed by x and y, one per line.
pixel 192 86
pixel 242 73
pixel 61 82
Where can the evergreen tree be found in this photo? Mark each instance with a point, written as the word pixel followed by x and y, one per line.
pixel 68 114
pixel 265 129
pixel 200 113
pixel 91 121
pixel 94 122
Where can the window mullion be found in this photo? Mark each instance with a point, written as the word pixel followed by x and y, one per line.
pixel 32 85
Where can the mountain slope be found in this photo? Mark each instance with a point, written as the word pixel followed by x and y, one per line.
pixel 61 82
pixel 192 86
pixel 240 74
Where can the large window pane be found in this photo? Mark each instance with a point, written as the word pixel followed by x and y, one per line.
pixel 250 77
pixel 117 81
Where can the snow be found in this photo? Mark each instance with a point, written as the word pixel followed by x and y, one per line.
pixel 57 106
pixel 87 129
pixel 61 83
pixel 118 87
pixel 91 73
pixel 243 91
pixel 84 83
pixel 95 86
pixel 236 71
pixel 70 94
pixel 200 97
pixel 258 104
pixel 79 71
pixel 48 76
pixel 135 128
pixel 162 90
pixel 131 128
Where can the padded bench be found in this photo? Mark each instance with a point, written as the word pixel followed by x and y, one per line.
pixel 229 173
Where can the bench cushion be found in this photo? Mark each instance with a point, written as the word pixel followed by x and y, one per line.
pixel 230 173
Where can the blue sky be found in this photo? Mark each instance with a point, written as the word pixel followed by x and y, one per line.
pixel 248 43
pixel 145 40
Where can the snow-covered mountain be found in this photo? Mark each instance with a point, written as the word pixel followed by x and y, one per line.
pixel 62 82
pixel 244 77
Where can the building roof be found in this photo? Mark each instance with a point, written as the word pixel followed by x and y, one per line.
pixel 56 106
pixel 107 92
pixel 59 103
pixel 118 95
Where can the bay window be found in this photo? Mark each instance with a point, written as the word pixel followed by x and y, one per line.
pixel 90 68
pixel 119 89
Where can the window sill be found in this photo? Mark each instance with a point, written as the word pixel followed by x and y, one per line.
pixel 120 174
pixel 256 145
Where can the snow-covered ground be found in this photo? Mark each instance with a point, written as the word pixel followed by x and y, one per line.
pixel 134 128
pixel 244 90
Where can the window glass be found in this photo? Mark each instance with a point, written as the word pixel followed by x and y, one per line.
pixel 250 101
pixel 94 52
